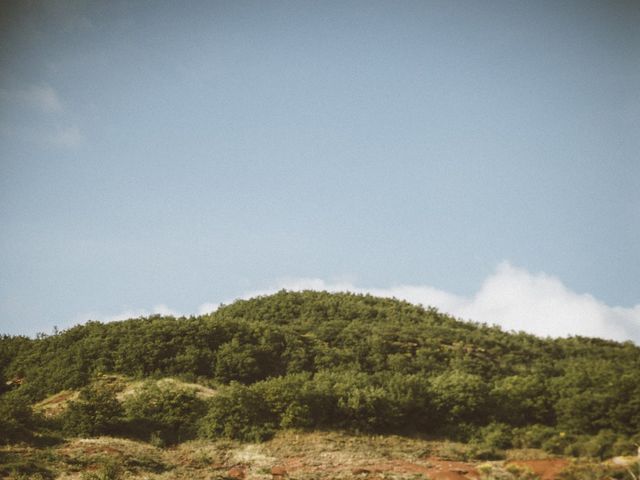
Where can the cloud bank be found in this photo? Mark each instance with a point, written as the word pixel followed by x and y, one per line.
pixel 510 297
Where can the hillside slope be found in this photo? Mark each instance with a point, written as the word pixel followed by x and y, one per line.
pixel 343 361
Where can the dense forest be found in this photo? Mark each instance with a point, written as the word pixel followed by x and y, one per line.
pixel 317 360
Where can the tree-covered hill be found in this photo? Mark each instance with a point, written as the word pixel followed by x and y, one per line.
pixel 327 360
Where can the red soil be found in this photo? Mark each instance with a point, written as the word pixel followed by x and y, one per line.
pixel 434 468
pixel 548 469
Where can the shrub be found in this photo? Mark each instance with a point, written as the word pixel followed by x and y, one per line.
pixel 296 415
pixel 559 442
pixel 110 470
pixel 95 412
pixel 489 442
pixel 605 444
pixel 289 398
pixel 586 470
pixel 237 361
pixel 495 435
pixel 163 413
pixel 459 396
pixel 239 412
pixel 16 418
pixel 19 466
pixel 625 446
pixel 521 399
pixel 532 436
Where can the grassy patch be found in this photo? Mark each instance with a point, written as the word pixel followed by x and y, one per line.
pixel 26 463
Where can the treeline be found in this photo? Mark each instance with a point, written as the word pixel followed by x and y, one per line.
pixel 321 360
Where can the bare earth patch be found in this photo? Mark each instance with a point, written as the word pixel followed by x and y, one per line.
pixel 547 469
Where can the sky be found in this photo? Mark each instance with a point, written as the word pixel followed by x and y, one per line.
pixel 163 157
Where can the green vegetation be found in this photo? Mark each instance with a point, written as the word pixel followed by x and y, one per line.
pixel 314 360
pixel 95 412
pixel 163 415
pixel 16 418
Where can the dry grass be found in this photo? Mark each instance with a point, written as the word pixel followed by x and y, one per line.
pixel 55 404
pixel 303 456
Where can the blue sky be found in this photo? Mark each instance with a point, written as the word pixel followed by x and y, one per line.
pixel 167 156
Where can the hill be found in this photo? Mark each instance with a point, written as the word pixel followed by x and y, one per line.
pixel 315 360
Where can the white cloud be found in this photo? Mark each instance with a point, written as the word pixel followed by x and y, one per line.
pixel 207 308
pixel 510 297
pixel 542 304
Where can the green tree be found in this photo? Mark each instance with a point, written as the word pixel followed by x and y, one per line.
pixel 164 411
pixel 16 418
pixel 522 399
pixel 97 411
pixel 460 397
pixel 236 361
pixel 239 412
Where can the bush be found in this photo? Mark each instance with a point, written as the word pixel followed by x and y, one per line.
pixel 508 472
pixel 163 413
pixel 459 396
pixel 296 415
pixel 95 412
pixel 290 398
pixel 239 412
pixel 17 466
pixel 366 408
pixel 110 470
pixel 605 444
pixel 625 446
pixel 384 402
pixel 16 418
pixel 587 470
pixel 237 361
pixel 485 452
pixel 495 435
pixel 522 399
pixel 559 442
pixel 490 441
pixel 532 436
